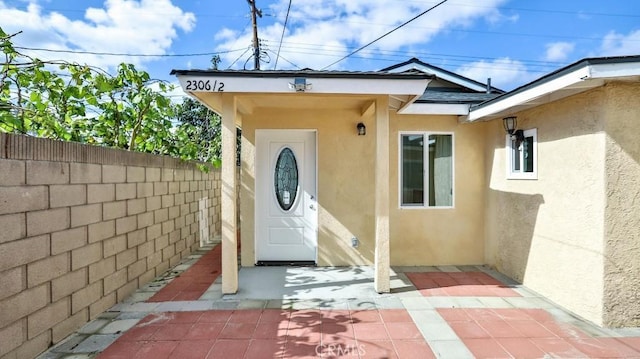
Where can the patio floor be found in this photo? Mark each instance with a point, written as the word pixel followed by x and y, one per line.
pixel 317 312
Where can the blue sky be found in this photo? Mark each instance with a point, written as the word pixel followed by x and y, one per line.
pixel 511 41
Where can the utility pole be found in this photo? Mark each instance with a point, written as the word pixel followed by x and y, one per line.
pixel 256 44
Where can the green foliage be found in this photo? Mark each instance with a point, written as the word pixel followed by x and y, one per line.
pixel 127 110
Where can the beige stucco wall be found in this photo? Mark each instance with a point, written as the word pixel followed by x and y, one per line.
pixel 622 214
pixel 548 233
pixel 441 236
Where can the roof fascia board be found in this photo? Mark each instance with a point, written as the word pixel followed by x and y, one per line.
pixel 604 71
pixel 245 84
pixel 442 75
pixel 530 94
pixel 435 109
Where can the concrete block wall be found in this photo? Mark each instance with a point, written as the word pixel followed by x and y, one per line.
pixel 82 227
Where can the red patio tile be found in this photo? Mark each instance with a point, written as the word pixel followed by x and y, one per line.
pixel 504 292
pixel 271 330
pixel 499 329
pixel 467 281
pixel 192 349
pixel 625 351
pixel 633 342
pixel 228 348
pixel 302 350
pixel 120 350
pixel 531 329
pixel 485 348
pixel 171 332
pixel 139 332
pixel 304 335
pixel 274 315
pixel 183 317
pixel 403 331
pixel 600 348
pixel 372 349
pixel 395 315
pixel 520 347
pixel 366 316
pixel 336 316
pixel 163 296
pixel 204 331
pixel 332 333
pixel 539 315
pixel 564 330
pixel 156 350
pixel 512 314
pixel 215 316
pixel 454 314
pixel 245 316
pixel 237 331
pixel 482 314
pixel 445 282
pixel 413 349
pixel 557 348
pixel 467 330
pixel 187 295
pixel 154 318
pixel 265 349
pixel 367 331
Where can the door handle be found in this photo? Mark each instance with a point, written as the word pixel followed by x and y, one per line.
pixel 311 206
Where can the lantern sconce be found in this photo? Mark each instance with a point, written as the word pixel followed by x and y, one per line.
pixel 362 129
pixel 510 124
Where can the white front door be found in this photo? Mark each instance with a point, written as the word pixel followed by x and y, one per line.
pixel 286 204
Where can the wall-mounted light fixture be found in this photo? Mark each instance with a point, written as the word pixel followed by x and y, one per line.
pixel 362 129
pixel 510 124
pixel 300 84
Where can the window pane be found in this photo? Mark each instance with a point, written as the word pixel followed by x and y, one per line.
pixel 412 169
pixel 440 170
pixel 515 156
pixel 527 152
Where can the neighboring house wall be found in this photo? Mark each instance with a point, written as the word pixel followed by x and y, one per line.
pixel 440 236
pixel 83 227
pixel 622 214
pixel 548 233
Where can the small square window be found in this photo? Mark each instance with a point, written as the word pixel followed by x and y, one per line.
pixel 522 156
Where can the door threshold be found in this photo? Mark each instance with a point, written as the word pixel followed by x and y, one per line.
pixel 286 263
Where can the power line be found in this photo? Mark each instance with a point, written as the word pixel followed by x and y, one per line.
pixel 389 32
pixel 124 54
pixel 284 28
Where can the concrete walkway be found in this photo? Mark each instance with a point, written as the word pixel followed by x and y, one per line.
pixel 306 312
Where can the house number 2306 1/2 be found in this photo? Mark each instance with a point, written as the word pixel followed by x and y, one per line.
pixel 204 85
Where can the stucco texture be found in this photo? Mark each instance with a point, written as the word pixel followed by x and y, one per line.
pixel 548 233
pixel 622 214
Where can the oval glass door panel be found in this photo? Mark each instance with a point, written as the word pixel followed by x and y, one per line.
pixel 286 178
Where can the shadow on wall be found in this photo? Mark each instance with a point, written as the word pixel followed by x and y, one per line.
pixel 514 222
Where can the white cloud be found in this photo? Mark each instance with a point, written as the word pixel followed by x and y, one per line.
pixel 615 44
pixel 505 73
pixel 120 26
pixel 321 31
pixel 558 51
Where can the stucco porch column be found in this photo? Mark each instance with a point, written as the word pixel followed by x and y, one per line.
pixel 229 197
pixel 381 276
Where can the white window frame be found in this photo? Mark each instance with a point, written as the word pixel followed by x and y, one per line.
pixel 511 174
pixel 425 159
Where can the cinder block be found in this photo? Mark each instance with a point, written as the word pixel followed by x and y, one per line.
pixel 145 249
pixel 153 175
pixel 85 173
pixel 136 206
pixel 114 174
pixel 135 174
pixel 11 282
pixel 84 215
pixel 179 199
pixel 189 197
pixel 12 173
pixel 83 256
pixel 154 203
pixel 47 221
pixel 98 193
pixel 184 187
pixel 86 296
pixel 126 290
pixel 31 348
pixel 154 232
pixel 101 305
pixel 162 267
pixel 188 175
pixel 44 172
pixel 180 222
pixel 126 258
pixel 167 174
pixel 145 220
pixel 12 336
pixel 175 260
pixel 161 215
pixel 126 224
pixel 114 281
pixel 67 195
pixel 174 187
pixel 69 325
pixel 174 212
pixel 167 227
pixel 113 210
pixel 193 187
pixel 23 304
pixel 23 199
pixel 180 246
pixel 144 189
pixel 136 269
pixel 125 191
pixel 185 209
pixel 113 246
pixel 162 242
pixel 47 317
pixel 179 174
pixel 174 236
pixel 167 201
pixel 102 269
pixel 14 226
pixel 68 283
pixel 102 230
pixel 17 253
pixel 47 269
pixel 168 252
pixel 136 238
pixel 160 188
pixel 64 241
pixel 147 277
pixel 154 260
